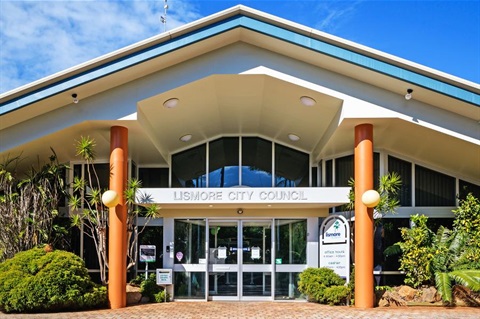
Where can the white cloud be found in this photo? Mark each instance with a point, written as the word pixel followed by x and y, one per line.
pixel 39 38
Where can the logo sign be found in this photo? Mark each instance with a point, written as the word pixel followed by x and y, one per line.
pixel 335 245
pixel 147 253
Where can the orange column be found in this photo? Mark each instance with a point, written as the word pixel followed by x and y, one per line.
pixel 364 289
pixel 117 237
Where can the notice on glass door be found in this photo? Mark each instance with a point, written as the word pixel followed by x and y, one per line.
pixel 255 252
pixel 222 252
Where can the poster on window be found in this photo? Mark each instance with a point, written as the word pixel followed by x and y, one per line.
pixel 255 252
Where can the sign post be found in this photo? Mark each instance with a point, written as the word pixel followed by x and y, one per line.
pixel 335 245
pixel 147 255
pixel 164 278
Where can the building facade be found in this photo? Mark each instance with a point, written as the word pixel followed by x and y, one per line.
pixel 245 130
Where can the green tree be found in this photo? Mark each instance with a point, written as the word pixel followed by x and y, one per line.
pixel 29 205
pixel 457 252
pixel 92 214
pixel 417 252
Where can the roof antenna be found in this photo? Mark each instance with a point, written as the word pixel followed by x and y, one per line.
pixel 163 18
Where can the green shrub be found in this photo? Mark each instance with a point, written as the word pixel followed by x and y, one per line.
pixel 336 295
pixel 149 287
pixel 37 281
pixel 314 282
pixel 160 296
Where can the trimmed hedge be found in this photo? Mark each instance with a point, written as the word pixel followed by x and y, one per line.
pixel 323 285
pixel 40 281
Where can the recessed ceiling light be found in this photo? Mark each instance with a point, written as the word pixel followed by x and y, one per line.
pixel 308 101
pixel 186 138
pixel 171 103
pixel 293 137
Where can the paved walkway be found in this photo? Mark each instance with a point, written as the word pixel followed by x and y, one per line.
pixel 242 310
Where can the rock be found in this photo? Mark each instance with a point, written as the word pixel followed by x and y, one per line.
pixel 133 295
pixel 407 293
pixel 429 295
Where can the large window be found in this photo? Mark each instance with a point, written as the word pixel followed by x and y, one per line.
pixel 189 241
pixel 223 168
pixel 153 177
pixel 189 168
pixel 433 188
pixel 256 162
pixel 404 169
pixel 291 241
pixel 291 167
pixel 466 187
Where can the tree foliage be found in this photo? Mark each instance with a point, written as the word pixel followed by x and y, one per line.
pixel 92 214
pixel 29 205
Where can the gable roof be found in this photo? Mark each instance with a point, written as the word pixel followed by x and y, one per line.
pixel 351 59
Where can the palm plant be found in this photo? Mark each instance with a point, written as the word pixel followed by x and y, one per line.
pixel 92 214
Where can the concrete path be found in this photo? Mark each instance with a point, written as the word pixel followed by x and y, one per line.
pixel 241 310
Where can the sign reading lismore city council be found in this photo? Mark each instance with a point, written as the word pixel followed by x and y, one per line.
pixel 335 245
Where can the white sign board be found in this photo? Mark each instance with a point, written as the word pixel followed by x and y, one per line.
pixel 335 245
pixel 164 277
pixel 148 253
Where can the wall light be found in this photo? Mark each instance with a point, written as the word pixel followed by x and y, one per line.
pixel 171 103
pixel 371 198
pixel 308 101
pixel 408 96
pixel 239 211
pixel 75 98
pixel 186 138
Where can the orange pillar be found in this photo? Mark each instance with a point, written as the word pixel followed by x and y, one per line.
pixel 117 237
pixel 364 289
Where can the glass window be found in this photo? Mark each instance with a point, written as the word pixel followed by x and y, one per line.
pixel 189 285
pixel 257 238
pixel 153 177
pixel 223 162
pixel 291 241
pixel 286 286
pixel 152 235
pixel 387 234
pixel 257 284
pixel 189 241
pixel 291 167
pixel 189 167
pixel 329 173
pixel 314 177
pixel 256 162
pixel 466 187
pixel 433 188
pixel 404 169
pixel 344 170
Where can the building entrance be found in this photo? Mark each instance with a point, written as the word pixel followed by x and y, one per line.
pixel 240 259
pixel 240 264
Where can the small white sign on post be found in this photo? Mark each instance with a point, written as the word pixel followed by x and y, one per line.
pixel 164 277
pixel 335 245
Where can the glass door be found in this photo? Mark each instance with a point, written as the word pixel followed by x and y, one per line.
pixel 223 259
pixel 257 266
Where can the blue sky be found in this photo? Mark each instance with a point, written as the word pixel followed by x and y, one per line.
pixel 40 38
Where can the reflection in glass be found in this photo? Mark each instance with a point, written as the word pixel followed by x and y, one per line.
pixel 223 162
pixel 256 162
pixel 286 287
pixel 223 284
pixel 257 284
pixel 189 241
pixel 189 285
pixel 152 235
pixel 291 167
pixel 223 242
pixel 189 167
pixel 257 238
pixel 291 241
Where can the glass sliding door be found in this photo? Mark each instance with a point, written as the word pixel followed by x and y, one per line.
pixel 223 260
pixel 190 259
pixel 256 258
